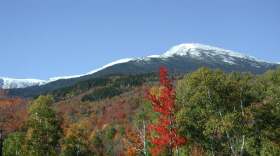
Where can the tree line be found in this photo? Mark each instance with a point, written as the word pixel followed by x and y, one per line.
pixel 207 112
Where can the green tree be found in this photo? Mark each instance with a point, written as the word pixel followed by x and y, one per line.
pixel 13 144
pixel 213 110
pixel 43 131
pixel 141 120
pixel 76 140
pixel 265 130
pixel 97 144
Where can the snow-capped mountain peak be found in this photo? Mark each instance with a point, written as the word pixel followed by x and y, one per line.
pixel 197 49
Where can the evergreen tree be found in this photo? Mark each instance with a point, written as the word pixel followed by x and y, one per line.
pixel 43 131
pixel 13 144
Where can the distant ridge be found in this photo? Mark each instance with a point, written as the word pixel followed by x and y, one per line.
pixel 180 58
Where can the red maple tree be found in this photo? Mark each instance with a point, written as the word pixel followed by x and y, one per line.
pixel 166 134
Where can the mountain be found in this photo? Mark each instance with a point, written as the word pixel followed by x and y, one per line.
pixel 10 83
pixel 179 59
pixel 188 57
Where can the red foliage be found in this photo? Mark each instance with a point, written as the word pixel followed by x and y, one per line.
pixel 164 104
pixel 115 112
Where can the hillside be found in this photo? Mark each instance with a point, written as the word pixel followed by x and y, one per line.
pixel 106 116
pixel 179 60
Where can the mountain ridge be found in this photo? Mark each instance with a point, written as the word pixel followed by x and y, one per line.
pixel 196 51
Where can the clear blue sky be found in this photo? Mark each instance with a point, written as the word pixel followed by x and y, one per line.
pixel 46 38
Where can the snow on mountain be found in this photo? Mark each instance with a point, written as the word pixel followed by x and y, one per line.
pixel 197 50
pixel 93 71
pixel 193 50
pixel 125 60
pixel 62 77
pixel 8 83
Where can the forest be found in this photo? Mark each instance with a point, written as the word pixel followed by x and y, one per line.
pixel 203 113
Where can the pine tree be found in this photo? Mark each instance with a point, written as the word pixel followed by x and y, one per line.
pixel 13 144
pixel 166 133
pixel 43 128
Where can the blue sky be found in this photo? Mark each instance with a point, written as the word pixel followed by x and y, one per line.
pixel 46 38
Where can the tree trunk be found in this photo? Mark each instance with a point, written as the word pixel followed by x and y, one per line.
pixel 170 151
pixel 144 139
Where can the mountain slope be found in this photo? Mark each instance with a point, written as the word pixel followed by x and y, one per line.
pixel 12 83
pixel 188 57
pixel 179 59
pixel 9 83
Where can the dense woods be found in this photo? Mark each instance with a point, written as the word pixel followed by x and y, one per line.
pixel 206 112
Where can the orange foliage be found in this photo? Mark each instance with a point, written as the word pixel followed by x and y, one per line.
pixel 197 151
pixel 131 152
pixel 13 114
pixel 132 142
